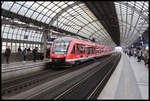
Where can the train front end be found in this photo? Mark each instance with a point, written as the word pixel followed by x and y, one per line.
pixel 59 51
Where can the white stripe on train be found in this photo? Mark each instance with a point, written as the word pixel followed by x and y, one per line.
pixel 85 58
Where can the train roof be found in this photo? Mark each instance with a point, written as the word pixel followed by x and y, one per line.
pixel 68 39
pixel 87 42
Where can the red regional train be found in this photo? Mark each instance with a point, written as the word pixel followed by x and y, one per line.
pixel 68 51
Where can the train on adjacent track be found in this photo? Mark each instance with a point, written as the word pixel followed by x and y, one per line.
pixel 67 51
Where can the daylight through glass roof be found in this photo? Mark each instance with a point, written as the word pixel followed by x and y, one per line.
pixel 74 17
pixel 133 20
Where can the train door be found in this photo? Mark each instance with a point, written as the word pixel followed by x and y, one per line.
pixel 73 52
pixel 78 55
pixel 83 50
pixel 86 51
pixel 103 50
pixel 90 51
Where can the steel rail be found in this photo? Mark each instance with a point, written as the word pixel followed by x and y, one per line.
pixel 33 81
pixel 100 83
pixel 86 77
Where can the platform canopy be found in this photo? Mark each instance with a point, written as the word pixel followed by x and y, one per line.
pixel 27 20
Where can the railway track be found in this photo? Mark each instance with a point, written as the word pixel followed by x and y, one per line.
pixel 79 90
pixel 21 84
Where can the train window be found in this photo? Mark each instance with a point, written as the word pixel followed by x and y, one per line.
pixel 102 49
pixel 78 49
pixel 82 48
pixel 86 50
pixel 97 49
pixel 73 50
pixel 93 50
pixel 89 50
pixel 106 49
pixel 60 47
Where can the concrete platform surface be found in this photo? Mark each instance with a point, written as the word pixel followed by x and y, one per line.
pixel 21 63
pixel 129 81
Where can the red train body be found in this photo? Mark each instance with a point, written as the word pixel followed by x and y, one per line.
pixel 68 51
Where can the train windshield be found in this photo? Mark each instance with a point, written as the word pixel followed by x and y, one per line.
pixel 60 47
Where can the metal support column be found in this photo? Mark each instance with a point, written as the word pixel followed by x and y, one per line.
pixel 44 46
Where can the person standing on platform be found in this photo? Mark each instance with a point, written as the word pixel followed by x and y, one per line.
pixel 47 53
pixel 139 55
pixel 29 50
pixel 7 54
pixel 125 51
pixel 146 58
pixel 130 53
pixel 19 49
pixel 135 53
pixel 35 54
pixel 24 54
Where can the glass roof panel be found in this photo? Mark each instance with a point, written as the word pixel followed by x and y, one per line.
pixel 130 18
pixel 40 9
pixel 20 2
pixel 63 6
pixel 60 4
pixel 46 3
pixel 15 8
pixel 34 6
pixel 35 14
pixel 71 2
pixel 23 10
pixel 28 4
pixel 7 5
pixel 29 13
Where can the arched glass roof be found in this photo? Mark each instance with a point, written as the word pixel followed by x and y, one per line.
pixel 133 20
pixel 71 16
pixel 74 17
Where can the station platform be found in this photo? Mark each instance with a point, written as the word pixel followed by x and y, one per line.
pixel 21 63
pixel 128 81
pixel 16 69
